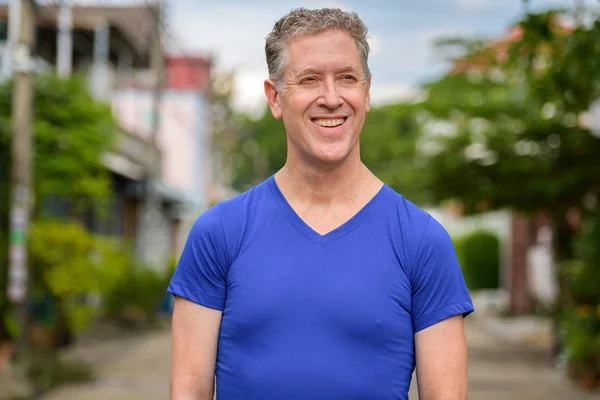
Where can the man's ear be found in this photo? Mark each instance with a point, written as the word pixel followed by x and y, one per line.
pixel 273 98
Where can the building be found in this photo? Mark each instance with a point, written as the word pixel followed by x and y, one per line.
pixel 183 135
pixel 112 47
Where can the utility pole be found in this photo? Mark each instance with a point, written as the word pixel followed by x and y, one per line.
pixel 64 57
pixel 149 247
pixel 156 62
pixel 21 169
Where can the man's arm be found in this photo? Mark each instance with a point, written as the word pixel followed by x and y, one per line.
pixel 441 360
pixel 194 350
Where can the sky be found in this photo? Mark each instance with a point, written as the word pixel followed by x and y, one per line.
pixel 400 31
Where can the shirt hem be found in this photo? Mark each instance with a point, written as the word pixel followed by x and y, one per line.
pixel 463 307
pixel 203 299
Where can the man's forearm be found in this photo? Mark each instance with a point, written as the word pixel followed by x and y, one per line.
pixel 189 396
pixel 197 393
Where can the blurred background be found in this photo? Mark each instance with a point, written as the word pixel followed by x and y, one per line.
pixel 122 121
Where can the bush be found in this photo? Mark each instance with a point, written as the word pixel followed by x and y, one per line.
pixel 68 266
pixel 582 274
pixel 136 299
pixel 479 257
pixel 580 320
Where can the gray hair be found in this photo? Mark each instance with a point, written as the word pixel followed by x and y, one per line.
pixel 302 21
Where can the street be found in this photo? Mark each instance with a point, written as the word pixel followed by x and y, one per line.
pixel 138 368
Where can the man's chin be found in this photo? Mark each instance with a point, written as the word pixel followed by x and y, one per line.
pixel 332 159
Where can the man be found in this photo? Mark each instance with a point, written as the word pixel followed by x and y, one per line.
pixel 321 282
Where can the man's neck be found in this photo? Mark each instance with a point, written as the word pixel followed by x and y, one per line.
pixel 314 185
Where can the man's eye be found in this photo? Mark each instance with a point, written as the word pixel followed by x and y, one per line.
pixel 349 77
pixel 309 79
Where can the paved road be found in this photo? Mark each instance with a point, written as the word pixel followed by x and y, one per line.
pixel 138 368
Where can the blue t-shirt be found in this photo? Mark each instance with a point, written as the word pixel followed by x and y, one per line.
pixel 310 316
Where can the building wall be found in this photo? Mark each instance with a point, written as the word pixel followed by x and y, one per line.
pixel 189 73
pixel 183 140
pixel 181 135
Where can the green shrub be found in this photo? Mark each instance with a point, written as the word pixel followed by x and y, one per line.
pixel 582 274
pixel 580 320
pixel 68 265
pixel 479 257
pixel 136 299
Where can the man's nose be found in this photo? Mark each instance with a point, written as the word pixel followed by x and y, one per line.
pixel 330 96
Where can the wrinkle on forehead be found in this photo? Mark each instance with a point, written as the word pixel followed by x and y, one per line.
pixel 319 51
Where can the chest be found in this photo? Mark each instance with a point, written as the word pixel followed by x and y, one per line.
pixel 326 219
pixel 349 288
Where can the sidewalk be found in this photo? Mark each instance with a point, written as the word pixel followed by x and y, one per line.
pixel 130 369
pixel 138 369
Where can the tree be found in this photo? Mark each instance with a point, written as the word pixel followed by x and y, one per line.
pixel 260 150
pixel 224 129
pixel 72 132
pixel 520 137
pixel 520 140
pixel 388 147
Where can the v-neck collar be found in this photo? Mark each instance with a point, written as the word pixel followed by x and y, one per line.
pixel 309 232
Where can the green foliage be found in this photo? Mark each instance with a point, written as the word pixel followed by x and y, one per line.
pixel 583 272
pixel 583 280
pixel 479 256
pixel 72 131
pixel 388 148
pixel 581 331
pixel 136 298
pixel 261 150
pixel 70 264
pixel 518 141
pixel 581 319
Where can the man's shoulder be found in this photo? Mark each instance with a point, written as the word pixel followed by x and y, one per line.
pixel 242 203
pixel 230 214
pixel 409 214
pixel 418 225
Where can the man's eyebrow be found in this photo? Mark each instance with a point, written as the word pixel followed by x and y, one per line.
pixel 314 71
pixel 309 71
pixel 347 69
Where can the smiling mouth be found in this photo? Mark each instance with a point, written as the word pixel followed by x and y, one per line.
pixel 329 122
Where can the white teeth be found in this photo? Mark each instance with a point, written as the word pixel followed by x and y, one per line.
pixel 329 122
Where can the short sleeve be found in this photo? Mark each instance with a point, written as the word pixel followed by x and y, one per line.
pixel 438 286
pixel 200 275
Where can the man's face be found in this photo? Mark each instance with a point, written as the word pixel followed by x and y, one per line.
pixel 323 98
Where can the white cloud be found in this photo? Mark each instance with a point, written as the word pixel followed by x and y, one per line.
pixel 478 5
pixel 234 33
pixel 375 44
